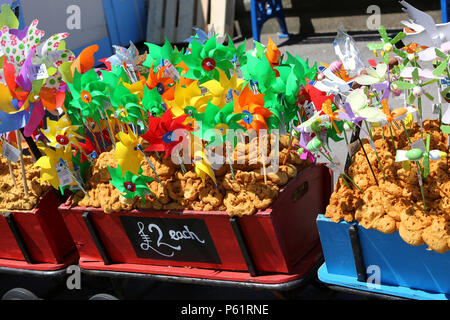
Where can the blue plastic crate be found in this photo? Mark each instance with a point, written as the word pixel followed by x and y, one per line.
pixel 445 8
pixel 405 270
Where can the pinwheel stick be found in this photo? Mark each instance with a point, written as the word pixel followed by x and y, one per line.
pixel 392 137
pixel 22 166
pixel 229 150
pixel 421 187
pixel 74 178
pixel 289 149
pixel 12 174
pixel 152 166
pixel 97 146
pixel 368 161
pixel 342 174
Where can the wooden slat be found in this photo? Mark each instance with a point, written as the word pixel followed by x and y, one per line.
pixel 185 20
pixel 170 20
pixel 155 18
pixel 202 14
pixel 222 16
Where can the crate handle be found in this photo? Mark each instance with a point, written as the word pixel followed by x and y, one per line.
pixel 300 191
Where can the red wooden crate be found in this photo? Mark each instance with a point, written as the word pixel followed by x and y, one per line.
pixel 43 231
pixel 277 238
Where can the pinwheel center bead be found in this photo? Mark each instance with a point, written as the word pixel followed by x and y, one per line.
pixel 221 129
pixel 417 91
pixel 123 112
pixel 320 76
pixel 394 87
pixel 168 137
pixel 160 88
pixel 387 47
pixel 208 64
pixel 85 96
pixel 414 154
pixel 248 117
pixel 130 186
pixel 62 139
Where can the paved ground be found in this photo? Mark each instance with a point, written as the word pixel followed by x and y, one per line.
pixel 321 52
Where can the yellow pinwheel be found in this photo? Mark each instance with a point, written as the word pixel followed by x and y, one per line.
pixel 50 163
pixel 61 133
pixel 127 154
pixel 218 91
pixel 186 96
pixel 202 165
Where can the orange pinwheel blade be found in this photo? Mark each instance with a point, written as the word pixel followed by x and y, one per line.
pixel 273 54
pixel 85 61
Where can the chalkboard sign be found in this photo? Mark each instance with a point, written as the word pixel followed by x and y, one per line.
pixel 171 239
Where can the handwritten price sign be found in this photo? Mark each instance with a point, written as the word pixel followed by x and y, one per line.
pixel 171 239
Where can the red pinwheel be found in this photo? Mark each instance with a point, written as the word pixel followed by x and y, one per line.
pixel 88 148
pixel 314 95
pixel 161 135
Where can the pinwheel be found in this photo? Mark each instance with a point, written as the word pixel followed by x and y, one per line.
pixel 215 123
pixel 261 71
pixel 304 138
pixel 416 89
pixel 430 53
pixel 130 56
pixel 205 60
pixel 89 93
pixel 50 165
pixel 185 96
pixel 158 53
pixel 152 102
pixel 273 54
pixel 220 92
pixel 126 153
pixel 161 135
pixel 202 165
pixel 360 107
pixel 314 95
pixel 129 184
pixel 252 106
pixel 17 44
pixel 373 76
pixel 200 35
pixel 61 133
pixel 327 108
pixel 21 85
pixel 417 154
pixel 348 115
pixel 443 65
pixel 387 44
pixel 85 60
pixel 126 105
pixel 163 84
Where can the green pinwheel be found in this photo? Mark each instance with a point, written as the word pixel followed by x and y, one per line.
pixel 129 184
pixel 88 94
pixel 442 64
pixel 152 102
pixel 416 87
pixel 157 53
pixel 126 105
pixel 205 60
pixel 301 68
pixel 260 71
pixel 215 123
pixel 387 44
